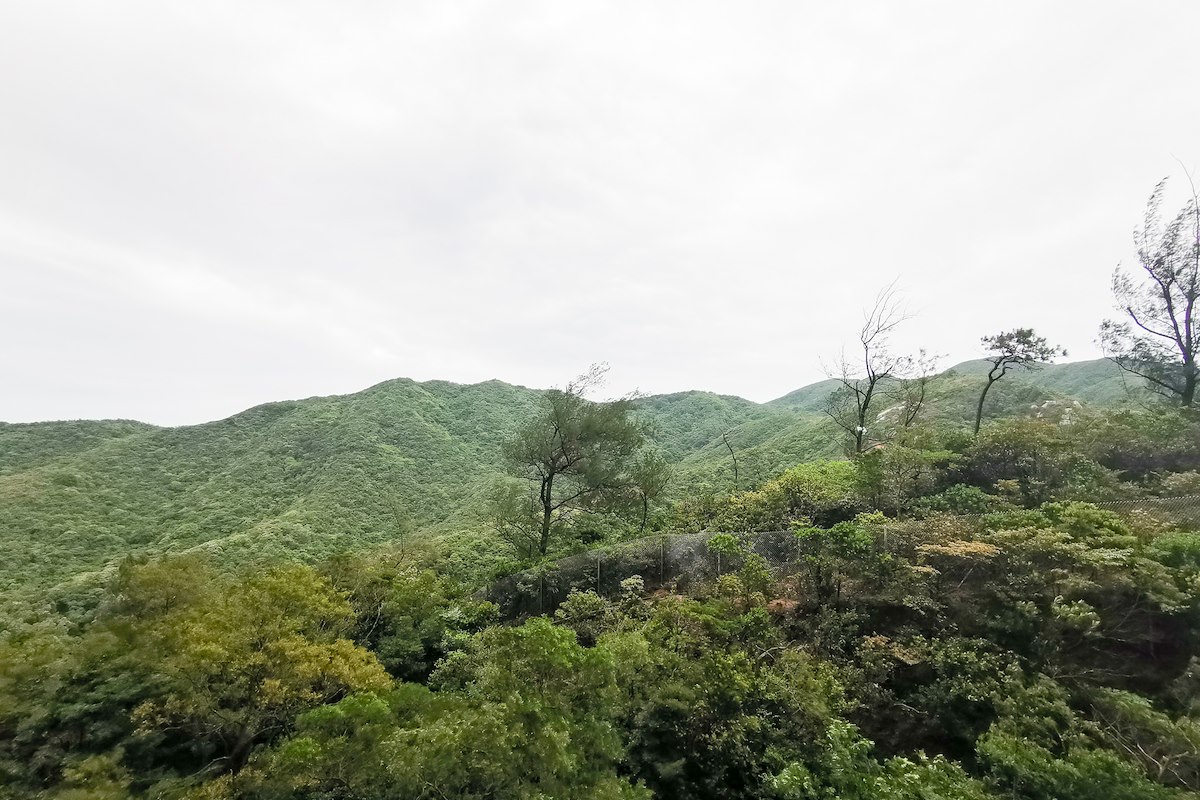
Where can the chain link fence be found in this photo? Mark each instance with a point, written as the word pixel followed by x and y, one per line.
pixel 681 562
pixel 676 562
pixel 1183 511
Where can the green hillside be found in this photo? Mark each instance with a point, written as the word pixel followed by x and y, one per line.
pixel 809 398
pixel 1098 383
pixel 793 428
pixel 32 445
pixel 688 421
pixel 311 477
pixel 307 476
pixel 953 393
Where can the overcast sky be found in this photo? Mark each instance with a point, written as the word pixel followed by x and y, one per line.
pixel 206 206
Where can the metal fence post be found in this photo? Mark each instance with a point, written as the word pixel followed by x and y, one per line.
pixel 662 561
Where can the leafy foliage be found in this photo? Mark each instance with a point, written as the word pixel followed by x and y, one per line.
pixel 1030 652
pixel 573 460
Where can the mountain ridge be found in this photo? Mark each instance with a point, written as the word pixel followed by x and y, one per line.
pixel 969 367
pixel 319 475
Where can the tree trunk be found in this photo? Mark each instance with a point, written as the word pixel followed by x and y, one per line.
pixel 860 430
pixel 864 408
pixel 979 408
pixel 725 438
pixel 547 513
pixel 240 753
pixel 1188 395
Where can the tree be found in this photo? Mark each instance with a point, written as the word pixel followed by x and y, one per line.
pixel 732 457
pixel 913 390
pixel 400 609
pixel 849 405
pixel 891 478
pixel 531 714
pixel 576 456
pixel 235 670
pixel 521 713
pixel 1019 348
pixel 650 475
pixel 1159 343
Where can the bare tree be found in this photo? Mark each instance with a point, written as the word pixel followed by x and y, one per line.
pixel 733 457
pixel 861 381
pixel 914 388
pixel 1160 341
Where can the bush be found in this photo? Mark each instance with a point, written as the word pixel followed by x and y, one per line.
pixel 962 499
pixel 822 493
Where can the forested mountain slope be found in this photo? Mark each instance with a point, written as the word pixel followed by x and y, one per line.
pixel 769 442
pixel 302 476
pixel 310 477
pixel 1099 383
pixel 27 446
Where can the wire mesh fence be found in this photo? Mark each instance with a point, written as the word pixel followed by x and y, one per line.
pixel 1183 511
pixel 682 562
pixel 678 562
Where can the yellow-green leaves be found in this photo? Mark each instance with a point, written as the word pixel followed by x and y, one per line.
pixel 240 664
